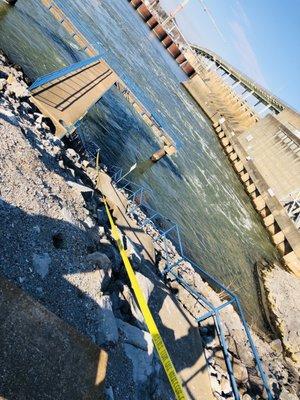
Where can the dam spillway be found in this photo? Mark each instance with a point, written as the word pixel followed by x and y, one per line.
pixel 231 112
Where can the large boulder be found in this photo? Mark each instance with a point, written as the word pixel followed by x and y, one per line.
pixel 142 370
pixel 145 284
pixel 107 327
pixel 99 259
pixel 136 337
pixel 105 269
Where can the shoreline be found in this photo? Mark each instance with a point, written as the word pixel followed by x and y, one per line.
pixel 16 91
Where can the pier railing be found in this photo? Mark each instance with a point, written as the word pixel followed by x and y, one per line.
pixel 169 233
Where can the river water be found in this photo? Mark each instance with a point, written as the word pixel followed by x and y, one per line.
pixel 197 187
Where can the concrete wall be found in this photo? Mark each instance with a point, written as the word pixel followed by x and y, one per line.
pixel 272 162
pixel 274 154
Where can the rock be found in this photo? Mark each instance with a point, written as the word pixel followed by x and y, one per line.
pixel 285 395
pixel 71 153
pixel 256 385
pixel 39 119
pixel 10 116
pixel 146 285
pixel 56 150
pixel 41 264
pixel 26 106
pixel 276 346
pixel 219 358
pixel 283 293
pixel 215 386
pixel 174 285
pixel 45 126
pixel 89 222
pixel 85 163
pixel 128 296
pixel 105 242
pixel 112 253
pixel 71 171
pixel 247 397
pixel 162 265
pixel 80 188
pixel 99 259
pixel 109 394
pixel 107 327
pixel 142 367
pixel 3 59
pixel 61 164
pixel 102 216
pixel 240 371
pixel 135 336
pixel 3 75
pixel 225 386
pixel 16 88
pixel 67 215
pixel 132 253
pixel 232 346
pixel 2 84
pixel 105 277
pixel 101 231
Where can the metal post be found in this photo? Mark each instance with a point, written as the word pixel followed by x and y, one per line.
pixel 226 356
pixel 212 311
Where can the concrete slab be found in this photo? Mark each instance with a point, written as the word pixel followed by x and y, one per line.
pixel 41 356
pixel 118 202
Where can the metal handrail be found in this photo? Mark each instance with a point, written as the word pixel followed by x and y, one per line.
pixel 213 312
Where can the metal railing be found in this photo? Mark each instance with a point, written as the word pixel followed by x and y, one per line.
pixel 170 234
pixel 166 237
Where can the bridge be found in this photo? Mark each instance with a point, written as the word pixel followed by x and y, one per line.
pixel 213 61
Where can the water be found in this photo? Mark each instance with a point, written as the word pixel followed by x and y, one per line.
pixel 197 187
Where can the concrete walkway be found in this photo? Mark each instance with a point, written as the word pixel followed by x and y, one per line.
pixel 177 327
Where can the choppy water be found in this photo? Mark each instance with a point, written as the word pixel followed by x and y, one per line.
pixel 196 188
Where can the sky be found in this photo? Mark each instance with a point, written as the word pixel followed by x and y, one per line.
pixel 261 39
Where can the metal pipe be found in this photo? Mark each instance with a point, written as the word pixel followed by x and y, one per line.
pixel 226 356
pixel 214 311
pixel 259 366
pixel 210 314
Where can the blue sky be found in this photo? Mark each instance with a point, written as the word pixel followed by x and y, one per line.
pixel 262 39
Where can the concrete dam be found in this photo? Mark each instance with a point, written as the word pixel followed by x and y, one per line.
pixel 259 132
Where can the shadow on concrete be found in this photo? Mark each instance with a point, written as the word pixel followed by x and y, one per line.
pixel 41 356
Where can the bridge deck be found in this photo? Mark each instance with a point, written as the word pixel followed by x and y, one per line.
pixel 66 95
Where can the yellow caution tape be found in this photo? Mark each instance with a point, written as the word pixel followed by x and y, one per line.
pixel 153 330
